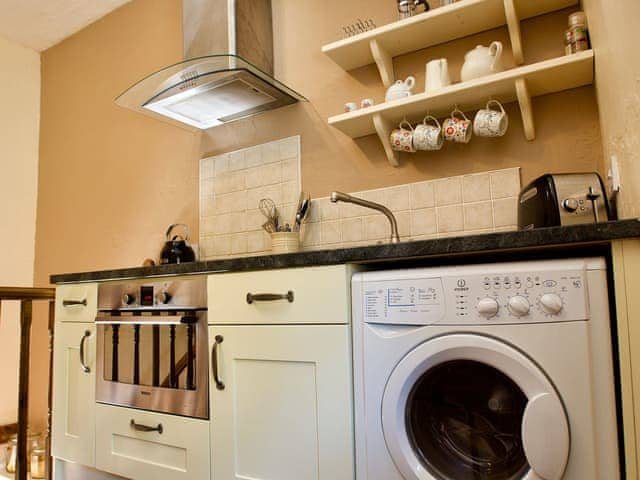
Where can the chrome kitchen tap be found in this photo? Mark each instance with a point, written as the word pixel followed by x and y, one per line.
pixel 343 197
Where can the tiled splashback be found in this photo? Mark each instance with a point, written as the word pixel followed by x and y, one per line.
pixel 232 184
pixel 462 205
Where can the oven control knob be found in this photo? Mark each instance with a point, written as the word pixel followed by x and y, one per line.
pixel 570 204
pixel 488 307
pixel 128 299
pixel 163 297
pixel 551 303
pixel 519 306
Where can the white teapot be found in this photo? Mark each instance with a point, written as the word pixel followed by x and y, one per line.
pixel 482 61
pixel 400 89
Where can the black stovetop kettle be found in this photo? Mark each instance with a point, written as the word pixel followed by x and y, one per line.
pixel 176 249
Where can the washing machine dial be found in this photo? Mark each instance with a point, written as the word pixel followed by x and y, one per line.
pixel 518 306
pixel 488 307
pixel 551 303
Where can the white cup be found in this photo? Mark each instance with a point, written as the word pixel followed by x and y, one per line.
pixel 428 137
pixel 350 106
pixel 489 122
pixel 366 103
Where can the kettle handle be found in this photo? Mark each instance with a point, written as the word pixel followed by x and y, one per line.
pixel 172 226
pixel 496 51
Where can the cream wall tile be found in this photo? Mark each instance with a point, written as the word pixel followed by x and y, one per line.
pixel 311 234
pixel 289 147
pixel 376 227
pixel 352 230
pixel 229 223
pixel 476 188
pixel 252 177
pixel 239 243
pixel 398 198
pixel 478 216
pixel 378 196
pixel 331 232
pixel 350 210
pixel 222 164
pixel 505 211
pixel 207 206
pixel 448 191
pixel 328 210
pixel 423 222
pixel 290 170
pixel 256 194
pixel 237 161
pixel 253 156
pixel 314 210
pixel 422 195
pixel 207 167
pixel 450 219
pixel 258 241
pixel 290 192
pixel 253 219
pixel 404 225
pixel 207 187
pixel 505 183
pixel 222 245
pixel 270 152
pixel 231 202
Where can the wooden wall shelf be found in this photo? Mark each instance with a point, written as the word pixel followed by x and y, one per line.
pixel 521 83
pixel 437 26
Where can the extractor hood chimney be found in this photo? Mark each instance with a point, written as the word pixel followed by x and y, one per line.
pixel 227 73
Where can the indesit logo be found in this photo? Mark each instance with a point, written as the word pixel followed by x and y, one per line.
pixel 462 286
pixel 145 392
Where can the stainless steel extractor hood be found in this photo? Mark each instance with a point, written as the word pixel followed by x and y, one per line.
pixel 227 73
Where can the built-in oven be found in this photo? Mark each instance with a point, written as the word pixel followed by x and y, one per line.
pixel 152 346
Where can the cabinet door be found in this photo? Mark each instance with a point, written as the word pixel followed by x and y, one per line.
pixel 73 427
pixel 285 410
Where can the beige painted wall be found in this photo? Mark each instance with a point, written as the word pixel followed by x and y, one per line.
pixel 111 180
pixel 19 126
pixel 614 30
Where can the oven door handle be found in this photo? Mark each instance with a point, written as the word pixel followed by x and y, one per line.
pixel 85 367
pixel 138 427
pixel 145 320
pixel 214 362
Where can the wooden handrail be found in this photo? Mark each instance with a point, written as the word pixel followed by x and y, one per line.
pixel 26 296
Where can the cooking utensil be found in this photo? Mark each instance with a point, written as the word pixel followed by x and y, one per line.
pixel 268 226
pixel 301 214
pixel 176 249
pixel 268 209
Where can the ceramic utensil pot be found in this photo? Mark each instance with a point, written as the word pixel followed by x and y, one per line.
pixel 427 136
pixel 482 61
pixel 402 138
pixel 400 89
pixel 437 75
pixel 457 128
pixel 176 249
pixel 491 122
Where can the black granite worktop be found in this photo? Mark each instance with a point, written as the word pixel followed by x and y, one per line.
pixel 577 235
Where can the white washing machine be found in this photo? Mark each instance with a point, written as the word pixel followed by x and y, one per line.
pixel 500 371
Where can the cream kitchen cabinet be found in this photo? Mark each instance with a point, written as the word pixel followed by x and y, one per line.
pixel 281 385
pixel 73 417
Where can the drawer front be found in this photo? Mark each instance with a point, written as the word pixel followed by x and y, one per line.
pixel 77 302
pixel 319 295
pixel 181 451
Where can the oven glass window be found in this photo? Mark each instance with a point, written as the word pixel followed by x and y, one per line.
pixel 150 355
pixel 464 420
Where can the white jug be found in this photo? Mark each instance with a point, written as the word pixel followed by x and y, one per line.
pixel 482 61
pixel 437 75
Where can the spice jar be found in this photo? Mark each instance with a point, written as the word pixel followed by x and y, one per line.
pixel 12 454
pixel 577 36
pixel 37 463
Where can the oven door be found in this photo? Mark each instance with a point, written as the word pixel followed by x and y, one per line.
pixel 155 361
pixel 466 406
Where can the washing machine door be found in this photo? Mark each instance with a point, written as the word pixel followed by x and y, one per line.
pixel 466 406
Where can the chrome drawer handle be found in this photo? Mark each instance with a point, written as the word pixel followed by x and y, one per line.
pixel 84 366
pixel 145 428
pixel 73 303
pixel 214 362
pixel 269 297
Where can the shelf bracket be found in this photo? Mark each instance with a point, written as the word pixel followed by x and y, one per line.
pixel 524 99
pixel 513 25
pixel 383 128
pixel 384 61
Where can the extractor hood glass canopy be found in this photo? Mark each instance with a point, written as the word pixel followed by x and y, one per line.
pixel 208 91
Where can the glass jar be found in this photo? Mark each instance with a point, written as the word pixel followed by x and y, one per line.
pixel 37 463
pixel 578 32
pixel 12 454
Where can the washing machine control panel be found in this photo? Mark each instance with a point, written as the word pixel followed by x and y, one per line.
pixel 488 298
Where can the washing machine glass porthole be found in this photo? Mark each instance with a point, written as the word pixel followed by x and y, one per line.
pixel 464 420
